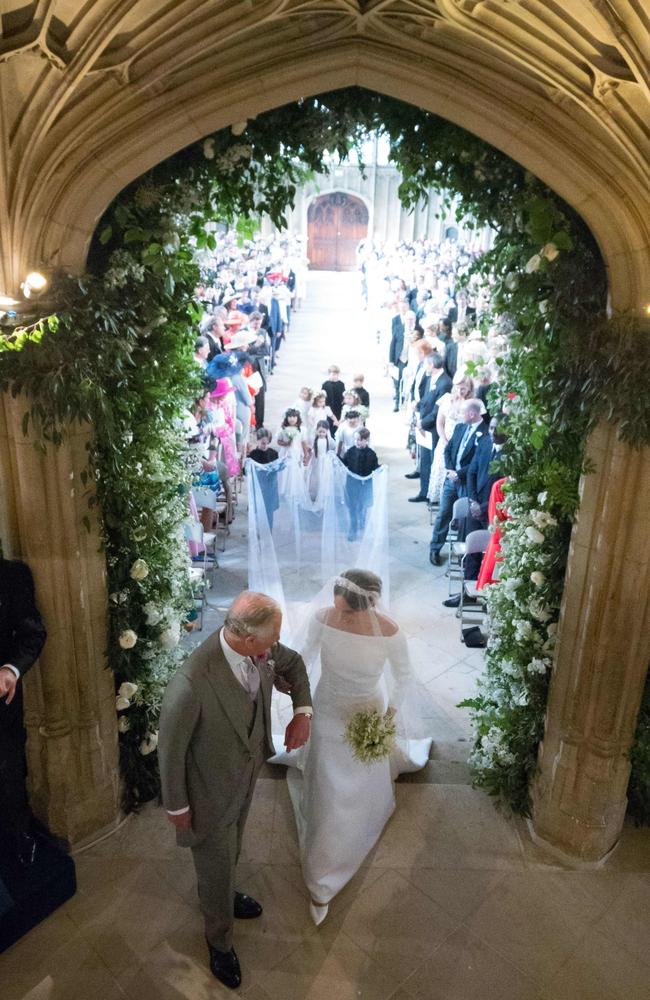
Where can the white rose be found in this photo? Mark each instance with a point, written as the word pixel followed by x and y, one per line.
pixel 543 306
pixel 127 689
pixel 537 578
pixel 535 536
pixel 170 637
pixel 539 611
pixel 511 282
pixel 542 497
pixel 533 263
pixel 550 251
pixel 537 666
pixel 127 639
pixel 123 724
pixel 139 570
pixel 208 149
pixel 149 744
pixel 238 128
pixel 121 703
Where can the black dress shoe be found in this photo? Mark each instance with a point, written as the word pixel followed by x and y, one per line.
pixel 412 475
pixel 452 602
pixel 434 558
pixel 417 499
pixel 396 409
pixel 246 908
pixel 224 966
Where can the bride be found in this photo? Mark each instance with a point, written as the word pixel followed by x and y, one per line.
pixel 342 805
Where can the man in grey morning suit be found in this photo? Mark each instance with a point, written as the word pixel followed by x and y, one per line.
pixel 215 733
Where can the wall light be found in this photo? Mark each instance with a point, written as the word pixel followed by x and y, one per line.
pixel 647 309
pixel 34 283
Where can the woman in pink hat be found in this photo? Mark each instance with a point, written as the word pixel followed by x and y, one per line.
pixel 224 425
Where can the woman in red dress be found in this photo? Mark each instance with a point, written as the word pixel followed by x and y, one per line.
pixel 496 512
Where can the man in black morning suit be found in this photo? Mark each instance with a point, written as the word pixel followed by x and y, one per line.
pixel 459 453
pixel 22 635
pixel 438 383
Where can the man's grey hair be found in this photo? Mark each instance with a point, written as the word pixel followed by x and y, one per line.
pixel 474 404
pixel 252 620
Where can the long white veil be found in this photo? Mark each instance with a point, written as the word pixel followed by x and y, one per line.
pixel 297 542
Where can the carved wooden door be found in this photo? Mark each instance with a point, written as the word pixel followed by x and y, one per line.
pixel 335 224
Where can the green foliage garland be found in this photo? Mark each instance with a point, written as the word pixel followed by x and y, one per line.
pixel 118 353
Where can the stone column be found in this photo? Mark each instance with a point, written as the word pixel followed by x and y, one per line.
pixel 579 795
pixel 69 696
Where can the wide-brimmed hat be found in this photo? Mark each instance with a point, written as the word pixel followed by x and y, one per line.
pixel 222 388
pixel 241 339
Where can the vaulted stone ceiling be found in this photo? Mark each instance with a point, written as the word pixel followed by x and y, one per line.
pixel 94 93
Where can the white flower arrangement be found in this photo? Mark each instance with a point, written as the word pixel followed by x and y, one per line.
pixel 371 735
pixel 139 570
pixel 123 724
pixel 149 744
pixel 170 637
pixel 127 639
pixel 127 689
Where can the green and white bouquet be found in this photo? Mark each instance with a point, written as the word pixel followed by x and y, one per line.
pixel 371 735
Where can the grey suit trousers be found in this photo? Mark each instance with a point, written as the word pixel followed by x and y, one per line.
pixel 215 860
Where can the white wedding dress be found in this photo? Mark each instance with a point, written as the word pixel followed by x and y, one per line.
pixel 342 805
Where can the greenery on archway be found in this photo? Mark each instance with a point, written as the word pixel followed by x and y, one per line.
pixel 118 353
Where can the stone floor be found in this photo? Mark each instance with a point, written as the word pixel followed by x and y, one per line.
pixel 454 903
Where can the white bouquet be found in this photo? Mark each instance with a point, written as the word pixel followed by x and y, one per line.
pixel 371 735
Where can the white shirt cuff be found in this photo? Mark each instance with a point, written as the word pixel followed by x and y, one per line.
pixel 178 812
pixel 9 666
pixel 304 710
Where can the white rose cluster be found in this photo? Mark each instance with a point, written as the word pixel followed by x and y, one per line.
pixel 124 696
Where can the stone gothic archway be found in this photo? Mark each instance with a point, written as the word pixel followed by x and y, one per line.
pixel 88 106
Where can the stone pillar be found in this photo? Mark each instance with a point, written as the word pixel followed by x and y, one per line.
pixel 69 696
pixel 579 795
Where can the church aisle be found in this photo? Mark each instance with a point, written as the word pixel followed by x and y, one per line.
pixel 455 902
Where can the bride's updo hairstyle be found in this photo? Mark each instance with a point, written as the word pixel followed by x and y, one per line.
pixel 360 588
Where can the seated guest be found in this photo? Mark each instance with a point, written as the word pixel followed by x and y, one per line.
pixel 458 455
pixel 497 513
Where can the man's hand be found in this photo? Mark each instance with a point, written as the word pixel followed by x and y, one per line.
pixel 475 509
pixel 297 732
pixel 183 821
pixel 8 682
pixel 452 476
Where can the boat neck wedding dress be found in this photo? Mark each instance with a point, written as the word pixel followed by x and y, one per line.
pixel 342 805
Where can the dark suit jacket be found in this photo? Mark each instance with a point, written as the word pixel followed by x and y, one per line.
pixel 451 451
pixel 397 340
pixel 479 478
pixel 203 750
pixel 22 633
pixel 451 357
pixel 428 407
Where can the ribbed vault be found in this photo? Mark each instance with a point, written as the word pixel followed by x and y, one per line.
pixel 93 95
